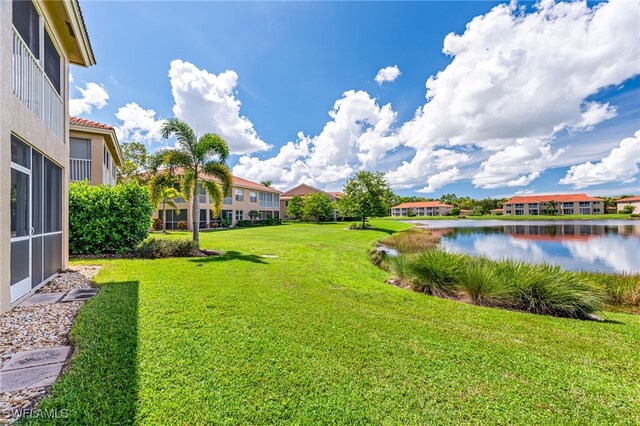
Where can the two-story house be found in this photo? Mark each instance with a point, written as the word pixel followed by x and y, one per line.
pixel 245 197
pixel 39 40
pixel 421 208
pixel 94 152
pixel 559 204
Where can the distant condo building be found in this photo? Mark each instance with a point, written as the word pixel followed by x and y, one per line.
pixel 560 203
pixel 631 201
pixel 421 208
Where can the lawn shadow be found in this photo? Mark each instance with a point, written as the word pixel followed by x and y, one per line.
pixel 101 383
pixel 230 255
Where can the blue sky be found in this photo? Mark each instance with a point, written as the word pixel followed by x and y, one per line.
pixel 267 74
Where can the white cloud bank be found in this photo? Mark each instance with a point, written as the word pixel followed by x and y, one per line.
pixel 387 74
pixel 206 101
pixel 515 81
pixel 621 166
pixel 92 96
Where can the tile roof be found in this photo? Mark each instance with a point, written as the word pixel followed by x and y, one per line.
pixel 421 204
pixel 238 181
pixel 562 198
pixel 628 200
pixel 77 121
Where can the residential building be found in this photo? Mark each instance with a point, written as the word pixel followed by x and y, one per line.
pixel 39 40
pixel 421 208
pixel 302 190
pixel 631 201
pixel 560 204
pixel 94 152
pixel 245 196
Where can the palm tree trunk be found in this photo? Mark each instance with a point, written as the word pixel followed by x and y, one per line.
pixel 364 218
pixel 195 214
pixel 164 216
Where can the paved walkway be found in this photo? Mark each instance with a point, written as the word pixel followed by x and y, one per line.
pixel 41 367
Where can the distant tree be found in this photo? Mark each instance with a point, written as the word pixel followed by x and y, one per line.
pixel 266 183
pixel 134 166
pixel 628 209
pixel 253 215
pixel 316 205
pixel 367 194
pixel 551 208
pixel 295 207
pixel 449 199
pixel 455 211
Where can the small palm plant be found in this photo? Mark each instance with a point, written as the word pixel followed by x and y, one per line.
pixel 198 162
pixel 168 197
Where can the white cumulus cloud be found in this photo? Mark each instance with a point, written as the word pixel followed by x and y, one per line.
pixel 358 134
pixel 621 165
pixel 209 103
pixel 93 95
pixel 138 124
pixel 387 74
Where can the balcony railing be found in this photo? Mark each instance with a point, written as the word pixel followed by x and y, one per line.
pixel 79 169
pixel 33 88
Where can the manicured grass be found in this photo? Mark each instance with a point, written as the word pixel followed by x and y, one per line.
pixel 527 217
pixel 315 336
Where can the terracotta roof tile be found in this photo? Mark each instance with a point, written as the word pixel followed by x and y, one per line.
pixel 628 200
pixel 562 198
pixel 77 121
pixel 421 204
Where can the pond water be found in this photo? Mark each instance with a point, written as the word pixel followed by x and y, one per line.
pixel 587 245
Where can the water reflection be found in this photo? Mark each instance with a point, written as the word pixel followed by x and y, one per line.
pixel 590 246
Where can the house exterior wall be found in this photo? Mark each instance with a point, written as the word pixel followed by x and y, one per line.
pixel 235 206
pixel 421 211
pixel 636 204
pixel 16 119
pixel 98 144
pixel 573 207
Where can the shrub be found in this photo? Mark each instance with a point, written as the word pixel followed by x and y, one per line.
pixel 107 219
pixel 157 225
pixel 481 284
pixel 182 225
pixel 359 226
pixel 455 211
pixel 547 289
pixel 156 248
pixel 628 209
pixel 413 240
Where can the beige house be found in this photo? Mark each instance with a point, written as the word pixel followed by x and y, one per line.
pixel 421 208
pixel 302 190
pixel 561 203
pixel 632 201
pixel 245 197
pixel 94 152
pixel 39 40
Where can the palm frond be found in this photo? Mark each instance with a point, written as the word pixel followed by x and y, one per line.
pixel 186 183
pixel 212 145
pixel 157 184
pixel 174 158
pixel 184 133
pixel 221 172
pixel 215 194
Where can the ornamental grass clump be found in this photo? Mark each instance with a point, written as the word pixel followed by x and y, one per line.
pixel 480 283
pixel 622 289
pixel 433 272
pixel 413 240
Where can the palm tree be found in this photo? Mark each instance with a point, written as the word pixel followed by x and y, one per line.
pixel 168 196
pixel 197 158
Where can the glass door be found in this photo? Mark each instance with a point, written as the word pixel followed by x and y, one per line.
pixel 20 219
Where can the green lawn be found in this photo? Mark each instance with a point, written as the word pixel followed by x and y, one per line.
pixel 527 217
pixel 315 336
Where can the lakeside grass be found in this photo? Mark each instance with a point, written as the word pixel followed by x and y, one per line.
pixel 525 217
pixel 315 336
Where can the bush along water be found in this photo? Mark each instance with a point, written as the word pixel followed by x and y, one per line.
pixel 533 288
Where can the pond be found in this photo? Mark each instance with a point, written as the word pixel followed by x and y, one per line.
pixel 586 245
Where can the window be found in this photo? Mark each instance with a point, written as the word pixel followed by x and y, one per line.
pixel 253 197
pixel 239 215
pixel 52 63
pixel 105 157
pixel 80 148
pixel 227 201
pixel 596 210
pixel 173 218
pixel 239 195
pixel 268 200
pixel 27 22
pixel 533 212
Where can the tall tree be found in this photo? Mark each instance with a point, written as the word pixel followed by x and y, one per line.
pixel 367 194
pixel 317 205
pixel 134 166
pixel 195 158
pixel 295 207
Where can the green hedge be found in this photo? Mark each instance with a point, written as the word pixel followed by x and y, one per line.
pixel 107 219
